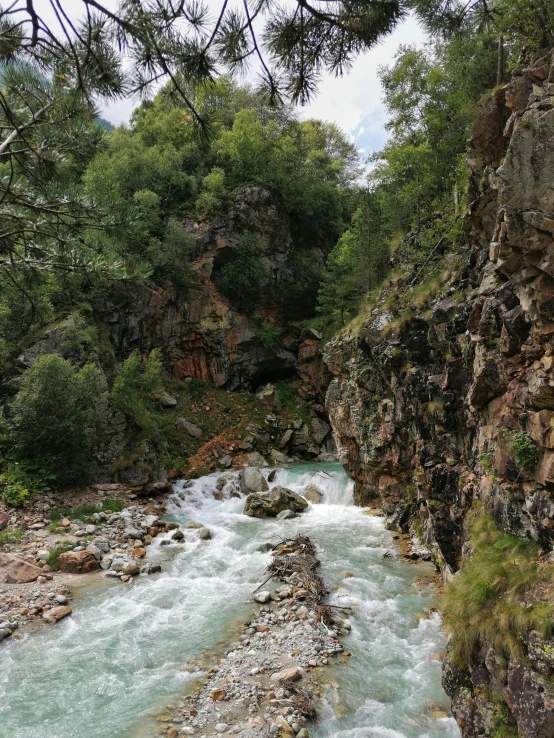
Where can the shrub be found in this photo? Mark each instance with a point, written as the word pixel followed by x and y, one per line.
pixel 524 450
pixel 10 536
pixel 134 384
pixel 77 336
pixel 241 279
pixel 54 418
pixel 488 599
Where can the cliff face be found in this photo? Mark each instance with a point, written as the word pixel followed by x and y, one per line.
pixel 200 333
pixel 435 411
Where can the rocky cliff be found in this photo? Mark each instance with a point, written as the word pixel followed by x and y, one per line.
pixel 201 334
pixel 443 398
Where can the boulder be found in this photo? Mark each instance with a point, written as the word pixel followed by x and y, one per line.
pixel 270 504
pixel 57 613
pixel 319 430
pixel 204 534
pixel 262 597
pixel 287 515
pixel 313 494
pixel 78 562
pixel 130 569
pixel 185 426
pixel 251 480
pixel 17 571
pixel 165 399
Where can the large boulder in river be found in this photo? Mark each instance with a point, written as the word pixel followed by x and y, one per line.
pixel 78 562
pixel 270 504
pixel 252 480
pixel 14 570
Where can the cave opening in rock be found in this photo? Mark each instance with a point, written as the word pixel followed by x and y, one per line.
pixel 273 375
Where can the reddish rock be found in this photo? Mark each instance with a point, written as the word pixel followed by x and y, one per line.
pixel 78 562
pixel 57 613
pixel 4 520
pixel 14 570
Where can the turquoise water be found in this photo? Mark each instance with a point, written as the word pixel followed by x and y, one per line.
pixel 128 648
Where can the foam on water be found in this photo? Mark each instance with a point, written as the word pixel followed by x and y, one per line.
pixel 126 650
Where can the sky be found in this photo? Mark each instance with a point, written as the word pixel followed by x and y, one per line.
pixel 353 102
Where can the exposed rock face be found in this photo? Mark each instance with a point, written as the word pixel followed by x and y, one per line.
pixel 425 413
pixel 200 333
pixel 270 504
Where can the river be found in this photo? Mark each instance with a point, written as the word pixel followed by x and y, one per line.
pixel 130 649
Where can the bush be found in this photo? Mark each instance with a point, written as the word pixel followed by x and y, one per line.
pixel 524 450
pixel 53 425
pixel 241 280
pixel 488 601
pixel 11 536
pixel 134 384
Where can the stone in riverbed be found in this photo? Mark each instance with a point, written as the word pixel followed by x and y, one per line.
pixel 270 504
pixel 78 562
pixel 313 495
pixel 130 568
pixel 57 613
pixel 262 597
pixel 204 534
pixel 178 535
pixel 287 675
pixel 14 570
pixel 287 515
pixel 252 480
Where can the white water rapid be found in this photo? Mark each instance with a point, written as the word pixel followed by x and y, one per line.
pixel 128 649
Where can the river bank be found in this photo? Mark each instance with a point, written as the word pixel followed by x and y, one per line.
pixel 129 651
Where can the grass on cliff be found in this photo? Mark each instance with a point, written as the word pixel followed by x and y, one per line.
pixel 492 599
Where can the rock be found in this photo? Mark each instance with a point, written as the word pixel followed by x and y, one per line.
pixel 130 568
pixel 262 597
pixel 285 438
pixel 78 562
pixel 256 459
pixel 178 535
pixel 320 429
pixel 61 599
pixel 265 547
pixel 221 728
pixel 165 399
pixel 251 480
pixel 90 530
pixel 57 613
pixel 204 534
pixel 217 695
pixel 270 504
pixel 287 675
pixel 268 395
pixel 139 552
pixel 14 570
pixel 4 520
pixel 184 425
pixel 302 733
pixel 95 551
pixel 313 495
pixel 132 532
pixel 151 521
pixel 287 515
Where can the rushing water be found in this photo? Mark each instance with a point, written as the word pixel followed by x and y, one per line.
pixel 127 650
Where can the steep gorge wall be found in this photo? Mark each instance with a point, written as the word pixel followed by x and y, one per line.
pixel 201 334
pixel 424 409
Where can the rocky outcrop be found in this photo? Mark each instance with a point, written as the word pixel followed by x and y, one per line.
pixel 440 408
pixel 200 333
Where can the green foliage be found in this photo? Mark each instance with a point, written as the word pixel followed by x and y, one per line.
pixel 136 380
pixel 13 491
pixel 491 600
pixel 53 558
pixel 78 337
pixel 11 536
pixel 53 418
pixel 524 450
pixel 243 277
pixel 84 512
pixel 486 459
pixel 208 202
pixel 357 264
pixel 268 333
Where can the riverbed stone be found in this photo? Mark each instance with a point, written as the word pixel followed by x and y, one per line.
pixel 78 562
pixel 252 480
pixel 262 597
pixel 270 504
pixel 14 570
pixel 57 613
